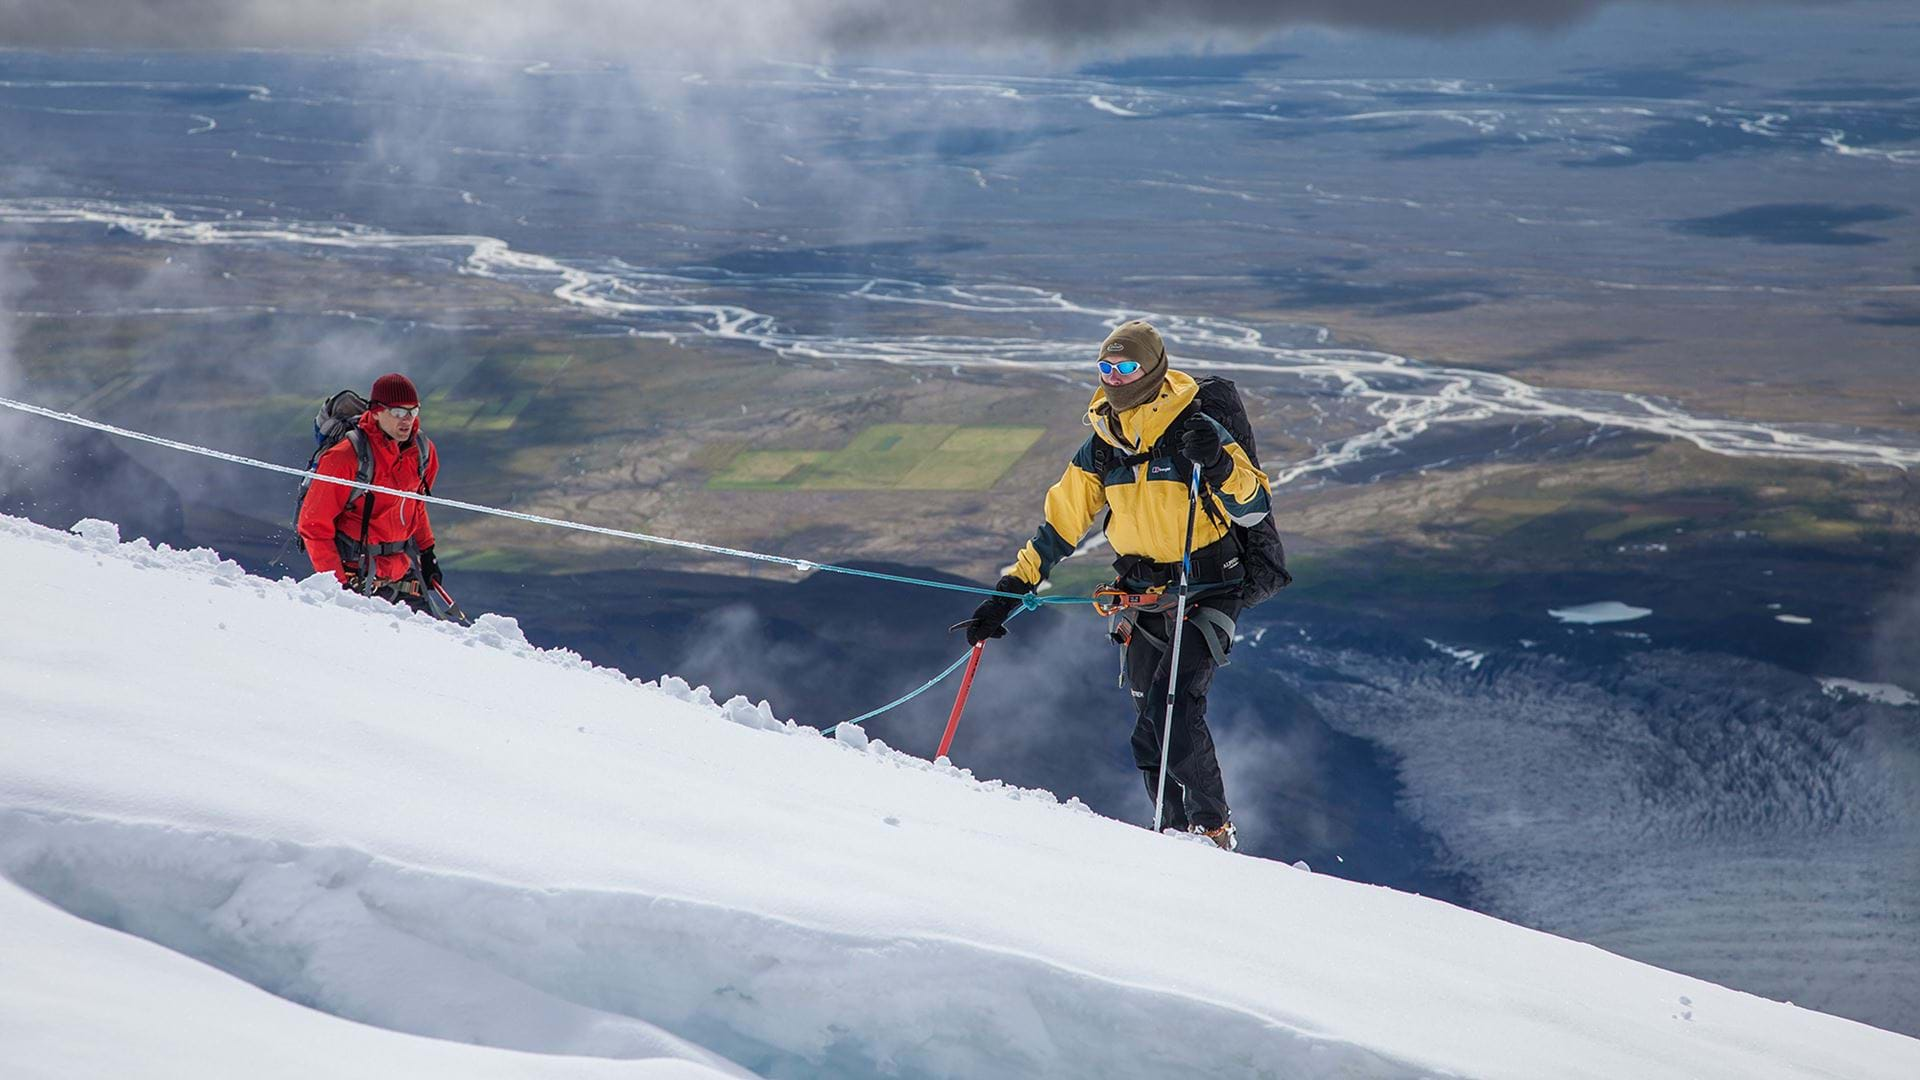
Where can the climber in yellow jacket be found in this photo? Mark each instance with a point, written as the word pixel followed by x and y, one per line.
pixel 1148 434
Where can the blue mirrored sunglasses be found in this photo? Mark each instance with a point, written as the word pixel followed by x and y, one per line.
pixel 1124 367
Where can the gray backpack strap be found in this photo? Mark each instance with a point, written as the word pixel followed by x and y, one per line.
pixel 426 464
pixel 362 472
pixel 363 469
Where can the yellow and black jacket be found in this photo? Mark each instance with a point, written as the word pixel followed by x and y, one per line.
pixel 1148 500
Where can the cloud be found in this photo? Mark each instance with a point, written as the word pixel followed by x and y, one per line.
pixel 14 448
pixel 753 27
pixel 1896 636
pixel 13 284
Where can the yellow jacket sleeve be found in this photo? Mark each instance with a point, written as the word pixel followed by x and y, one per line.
pixel 1246 494
pixel 1072 504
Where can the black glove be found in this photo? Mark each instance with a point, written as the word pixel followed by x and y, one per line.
pixel 429 567
pixel 1200 445
pixel 990 618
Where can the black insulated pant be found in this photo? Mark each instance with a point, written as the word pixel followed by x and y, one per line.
pixel 1196 794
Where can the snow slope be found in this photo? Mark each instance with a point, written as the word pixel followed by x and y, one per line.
pixel 473 858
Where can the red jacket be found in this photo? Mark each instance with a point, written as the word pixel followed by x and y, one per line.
pixel 326 519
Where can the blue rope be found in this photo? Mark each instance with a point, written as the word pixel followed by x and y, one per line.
pixel 897 702
pixel 926 686
pixel 1028 601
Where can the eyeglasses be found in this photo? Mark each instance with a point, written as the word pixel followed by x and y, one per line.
pixel 404 412
pixel 1124 367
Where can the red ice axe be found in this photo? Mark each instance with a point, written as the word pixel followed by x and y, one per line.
pixel 959 703
pixel 453 608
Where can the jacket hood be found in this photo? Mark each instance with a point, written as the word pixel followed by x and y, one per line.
pixel 1140 426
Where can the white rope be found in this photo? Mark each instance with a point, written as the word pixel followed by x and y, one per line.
pixel 537 519
pixel 1027 600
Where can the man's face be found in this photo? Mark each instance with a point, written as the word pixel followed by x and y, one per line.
pixel 1113 376
pixel 397 424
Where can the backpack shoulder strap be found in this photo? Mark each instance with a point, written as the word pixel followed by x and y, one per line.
pixel 363 451
pixel 363 467
pixel 1163 446
pixel 426 465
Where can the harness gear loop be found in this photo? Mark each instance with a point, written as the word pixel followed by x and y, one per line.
pixel 1220 640
pixel 1214 626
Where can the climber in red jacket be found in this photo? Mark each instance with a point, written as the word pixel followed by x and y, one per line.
pixel 366 539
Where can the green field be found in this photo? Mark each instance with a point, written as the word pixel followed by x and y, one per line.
pixel 495 392
pixel 909 457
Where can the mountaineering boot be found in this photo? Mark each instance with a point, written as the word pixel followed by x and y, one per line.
pixel 1225 836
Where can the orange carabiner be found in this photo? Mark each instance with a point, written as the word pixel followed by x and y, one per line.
pixel 1108 599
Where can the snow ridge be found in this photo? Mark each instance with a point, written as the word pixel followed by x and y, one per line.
pixel 504 861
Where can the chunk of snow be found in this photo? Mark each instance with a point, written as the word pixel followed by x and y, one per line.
pixel 321 584
pixel 500 631
pixel 1465 656
pixel 1605 611
pixel 754 714
pixel 1793 620
pixel 102 532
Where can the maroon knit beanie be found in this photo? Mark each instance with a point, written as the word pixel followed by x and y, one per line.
pixel 394 389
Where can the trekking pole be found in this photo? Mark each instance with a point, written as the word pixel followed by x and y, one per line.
pixel 1173 657
pixel 966 684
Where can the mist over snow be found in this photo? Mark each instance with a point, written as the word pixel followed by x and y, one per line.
pixel 225 796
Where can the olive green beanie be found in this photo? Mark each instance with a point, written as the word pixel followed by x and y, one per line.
pixel 1135 340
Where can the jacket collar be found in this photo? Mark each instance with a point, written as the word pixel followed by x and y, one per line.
pixel 1141 426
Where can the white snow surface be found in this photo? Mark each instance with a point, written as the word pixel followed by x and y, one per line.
pixel 223 798
pixel 1606 611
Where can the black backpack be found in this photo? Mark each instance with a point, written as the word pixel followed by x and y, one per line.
pixel 1263 559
